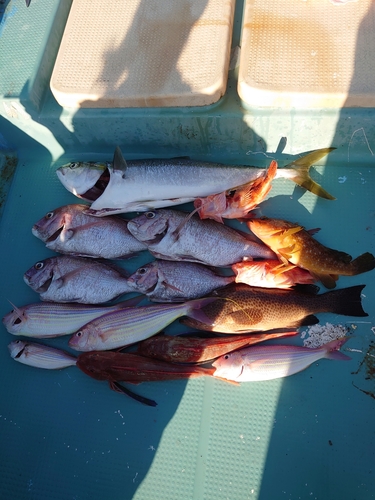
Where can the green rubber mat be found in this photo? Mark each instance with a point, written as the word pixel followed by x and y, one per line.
pixel 310 435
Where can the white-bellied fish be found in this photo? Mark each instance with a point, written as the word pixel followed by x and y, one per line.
pixel 174 235
pixel 133 324
pixel 77 279
pixel 69 230
pixel 40 356
pixel 269 362
pixel 53 319
pixel 141 185
pixel 167 281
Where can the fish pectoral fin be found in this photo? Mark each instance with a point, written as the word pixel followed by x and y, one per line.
pixel 119 162
pixel 292 230
pixel 171 287
pixel 287 252
pixel 306 321
pixel 176 233
pixel 115 386
pixel 282 268
pixel 328 280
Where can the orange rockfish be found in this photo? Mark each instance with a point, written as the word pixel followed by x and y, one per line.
pixel 237 202
pixel 271 274
pixel 292 243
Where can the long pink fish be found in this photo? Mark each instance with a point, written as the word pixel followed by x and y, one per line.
pixel 273 361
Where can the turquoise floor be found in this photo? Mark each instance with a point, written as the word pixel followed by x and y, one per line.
pixel 66 436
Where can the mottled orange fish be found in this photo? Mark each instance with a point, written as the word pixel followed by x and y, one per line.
pixel 271 274
pixel 292 243
pixel 241 308
pixel 236 203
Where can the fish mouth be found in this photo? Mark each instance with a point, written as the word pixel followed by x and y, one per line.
pixel 98 188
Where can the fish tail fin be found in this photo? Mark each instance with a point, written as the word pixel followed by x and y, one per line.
pixel 363 263
pixel 300 172
pixel 332 349
pixel 346 301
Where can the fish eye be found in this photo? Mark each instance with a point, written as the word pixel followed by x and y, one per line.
pixel 150 215
pixel 39 265
pixel 73 165
pixel 142 270
pixel 79 334
pixel 226 356
pixel 49 215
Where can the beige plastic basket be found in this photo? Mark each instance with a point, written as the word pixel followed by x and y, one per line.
pixel 136 53
pixel 308 53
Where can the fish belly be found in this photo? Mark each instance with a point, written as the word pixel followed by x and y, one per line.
pixel 272 368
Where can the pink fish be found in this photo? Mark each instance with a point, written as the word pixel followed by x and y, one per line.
pixel 271 274
pixel 236 203
pixel 257 363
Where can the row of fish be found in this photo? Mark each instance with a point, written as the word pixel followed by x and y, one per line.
pixel 244 365
pixel 234 309
pixel 252 295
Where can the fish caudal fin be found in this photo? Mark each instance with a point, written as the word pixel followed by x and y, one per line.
pixel 332 349
pixel 346 301
pixel 301 174
pixel 363 263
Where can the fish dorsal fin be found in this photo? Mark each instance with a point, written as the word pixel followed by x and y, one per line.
pixel 119 163
pixel 281 146
pixel 313 231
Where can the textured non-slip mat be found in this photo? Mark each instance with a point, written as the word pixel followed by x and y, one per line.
pixel 311 53
pixel 144 53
